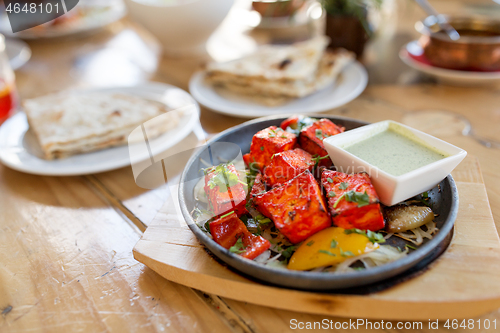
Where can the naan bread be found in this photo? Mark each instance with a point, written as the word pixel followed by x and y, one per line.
pixel 276 62
pixel 276 92
pixel 67 124
pixel 276 74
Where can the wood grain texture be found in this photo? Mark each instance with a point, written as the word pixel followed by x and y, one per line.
pixel 67 266
pixel 462 282
pixel 50 224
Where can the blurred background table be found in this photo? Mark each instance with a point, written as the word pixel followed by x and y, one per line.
pixel 66 243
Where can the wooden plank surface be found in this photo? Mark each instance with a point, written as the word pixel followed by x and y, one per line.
pixel 77 224
pixel 462 282
pixel 67 265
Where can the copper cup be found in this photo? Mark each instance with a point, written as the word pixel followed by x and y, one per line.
pixel 477 49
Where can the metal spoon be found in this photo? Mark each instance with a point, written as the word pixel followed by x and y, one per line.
pixel 441 20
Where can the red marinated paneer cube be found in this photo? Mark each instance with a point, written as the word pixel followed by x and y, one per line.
pixel 287 165
pixel 259 187
pixel 352 201
pixel 227 230
pixel 221 197
pixel 311 138
pixel 268 142
pixel 297 208
pixel 294 124
pixel 247 158
pixel 291 122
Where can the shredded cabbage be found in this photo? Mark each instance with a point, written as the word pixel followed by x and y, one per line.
pixel 419 233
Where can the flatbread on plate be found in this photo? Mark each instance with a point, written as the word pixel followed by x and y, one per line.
pixel 274 75
pixel 275 62
pixel 73 123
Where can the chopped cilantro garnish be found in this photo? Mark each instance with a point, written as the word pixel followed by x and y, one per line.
pixel 425 195
pixel 262 219
pixel 258 231
pixel 319 134
pixel 410 247
pixel 373 237
pixel 345 253
pixel 343 185
pixel 301 124
pixel 207 226
pixel 333 244
pixel 331 194
pixel 225 215
pixel 283 136
pixel 288 252
pixel 327 252
pixel 317 158
pixel 329 180
pixel 244 219
pixel 238 247
pixel 362 199
pixel 261 148
pixel 310 243
pixel 223 178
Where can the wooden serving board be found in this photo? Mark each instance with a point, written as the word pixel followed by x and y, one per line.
pixel 463 282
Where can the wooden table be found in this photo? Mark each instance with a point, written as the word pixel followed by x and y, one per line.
pixel 66 242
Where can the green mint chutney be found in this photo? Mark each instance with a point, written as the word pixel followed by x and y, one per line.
pixel 394 152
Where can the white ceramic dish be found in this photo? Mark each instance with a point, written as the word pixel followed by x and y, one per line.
pixel 393 189
pixel 182 26
pixel 19 149
pixel 348 86
pixel 18 52
pixel 92 22
pixel 307 13
pixel 449 76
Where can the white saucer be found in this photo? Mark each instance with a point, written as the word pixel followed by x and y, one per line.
pixel 19 148
pixel 18 52
pixel 349 85
pixel 447 75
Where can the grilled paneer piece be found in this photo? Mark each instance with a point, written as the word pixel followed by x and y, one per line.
pixel 221 197
pixel 287 165
pixel 295 124
pixel 258 186
pixel 247 158
pixel 311 138
pixel 268 142
pixel 227 230
pixel 352 201
pixel 297 208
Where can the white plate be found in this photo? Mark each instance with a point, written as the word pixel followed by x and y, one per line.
pixel 92 22
pixel 447 75
pixel 19 148
pixel 348 86
pixel 18 52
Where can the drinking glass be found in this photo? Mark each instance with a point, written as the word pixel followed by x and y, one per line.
pixel 7 86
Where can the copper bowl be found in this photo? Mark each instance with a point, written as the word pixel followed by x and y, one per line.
pixel 477 49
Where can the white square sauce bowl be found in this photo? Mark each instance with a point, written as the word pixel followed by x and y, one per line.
pixel 401 161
